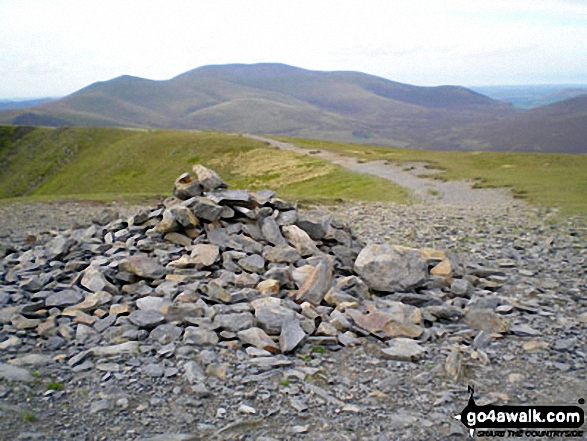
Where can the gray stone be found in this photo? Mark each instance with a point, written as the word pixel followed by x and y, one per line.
pixel 204 208
pixel 85 335
pixel 199 336
pixel 315 225
pixel 271 232
pixel 387 269
pixel 186 187
pixel 461 288
pixel 142 266
pixel 234 322
pixel 166 333
pixel 64 298
pixel 253 263
pixel 153 370
pixel 13 373
pixel 301 241
pixel 151 303
pixel 193 372
pixel 58 247
pixel 291 334
pixel 209 179
pixel 126 348
pixel 403 349
pixel 230 197
pixel 93 280
pixel 146 319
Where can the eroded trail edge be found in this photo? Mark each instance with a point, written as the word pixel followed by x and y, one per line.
pixel 428 190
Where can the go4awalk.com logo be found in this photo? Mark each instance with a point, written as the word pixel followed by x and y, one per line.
pixel 522 421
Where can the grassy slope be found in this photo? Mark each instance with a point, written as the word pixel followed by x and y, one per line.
pixel 555 180
pixel 107 163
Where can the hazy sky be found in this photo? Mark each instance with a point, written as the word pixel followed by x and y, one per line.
pixel 52 48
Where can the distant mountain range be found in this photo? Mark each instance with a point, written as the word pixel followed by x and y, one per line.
pixel 339 106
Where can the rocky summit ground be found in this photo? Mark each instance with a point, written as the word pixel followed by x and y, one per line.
pixel 494 298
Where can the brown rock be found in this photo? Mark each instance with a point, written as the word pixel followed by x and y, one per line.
pixel 443 269
pixel 258 338
pixel 269 286
pixel 316 284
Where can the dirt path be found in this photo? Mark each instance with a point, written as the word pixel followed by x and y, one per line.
pixel 456 193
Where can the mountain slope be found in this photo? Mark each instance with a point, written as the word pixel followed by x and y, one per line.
pixel 285 100
pixel 558 128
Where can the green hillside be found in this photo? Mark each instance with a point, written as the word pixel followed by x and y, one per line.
pixel 109 163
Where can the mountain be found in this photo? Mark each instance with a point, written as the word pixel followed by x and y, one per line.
pixel 557 128
pixel 22 104
pixel 285 100
pixel 531 96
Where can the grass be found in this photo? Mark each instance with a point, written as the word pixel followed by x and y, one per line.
pixel 105 164
pixel 28 417
pixel 546 179
pixel 55 385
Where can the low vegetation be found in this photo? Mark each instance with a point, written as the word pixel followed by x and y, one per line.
pixel 553 180
pixel 110 163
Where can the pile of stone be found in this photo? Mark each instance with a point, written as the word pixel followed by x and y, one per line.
pixel 213 266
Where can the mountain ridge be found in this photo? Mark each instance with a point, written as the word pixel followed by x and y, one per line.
pixel 279 99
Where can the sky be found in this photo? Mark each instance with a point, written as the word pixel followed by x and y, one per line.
pixel 53 48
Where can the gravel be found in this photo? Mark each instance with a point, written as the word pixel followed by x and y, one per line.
pixel 530 260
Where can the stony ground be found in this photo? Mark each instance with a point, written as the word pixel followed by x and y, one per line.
pixel 349 394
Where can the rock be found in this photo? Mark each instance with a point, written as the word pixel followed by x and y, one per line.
pixel 248 410
pixel 127 348
pixel 178 239
pixel 186 187
pixel 253 263
pixel 486 320
pixel 234 322
pixel 20 322
pixel 386 324
pixel 268 287
pixel 204 255
pixel 91 301
pixel 353 286
pixel 302 242
pixel 13 373
pixel 204 208
pixel 453 366
pixel 199 336
pixel 291 334
pixel 146 319
pixel 462 288
pixel 443 269
pixel 58 247
pixel 271 232
pixel 153 370
pixel 166 333
pixel 283 254
pixel 258 338
pixel 316 226
pixel 317 283
pixel 524 330
pixel 151 303
pixel 193 372
pixel 385 269
pixel 93 280
pixel 270 314
pixel 209 179
pixel 142 266
pixel 68 297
